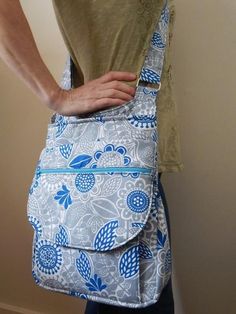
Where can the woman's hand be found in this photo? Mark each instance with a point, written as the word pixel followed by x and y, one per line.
pixel 94 95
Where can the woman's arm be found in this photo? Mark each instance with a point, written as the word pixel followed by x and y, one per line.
pixel 19 51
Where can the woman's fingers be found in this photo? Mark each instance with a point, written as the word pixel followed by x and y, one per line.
pixel 113 93
pixel 117 85
pixel 117 75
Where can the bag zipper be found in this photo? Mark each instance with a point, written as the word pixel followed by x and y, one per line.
pixel 96 170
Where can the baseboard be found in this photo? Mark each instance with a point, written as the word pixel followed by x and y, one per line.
pixel 12 309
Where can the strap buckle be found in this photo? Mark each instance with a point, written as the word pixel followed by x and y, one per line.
pixel 157 86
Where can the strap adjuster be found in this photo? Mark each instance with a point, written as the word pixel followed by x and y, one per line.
pixel 157 86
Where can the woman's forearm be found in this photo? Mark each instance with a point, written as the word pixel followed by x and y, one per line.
pixel 19 51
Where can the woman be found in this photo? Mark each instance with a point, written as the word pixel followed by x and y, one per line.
pixel 88 28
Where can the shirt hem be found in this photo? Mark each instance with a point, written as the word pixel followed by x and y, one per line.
pixel 171 167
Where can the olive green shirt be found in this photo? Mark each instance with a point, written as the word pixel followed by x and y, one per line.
pixel 114 35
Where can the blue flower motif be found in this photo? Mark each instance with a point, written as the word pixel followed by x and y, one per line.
pixel 66 150
pixel 129 262
pixel 138 225
pixel 36 226
pixel 157 40
pixel 144 251
pixel 95 284
pixel 111 156
pixel 63 196
pixel 161 239
pixel 148 75
pixel 48 257
pixel 62 236
pixel 61 125
pixel 138 201
pixel 84 181
pixel 106 236
pixel 80 161
pixel 83 266
pixel 143 121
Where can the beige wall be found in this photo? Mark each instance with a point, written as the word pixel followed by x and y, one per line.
pixel 201 198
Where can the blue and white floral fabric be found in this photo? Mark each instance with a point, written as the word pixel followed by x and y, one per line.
pixel 100 231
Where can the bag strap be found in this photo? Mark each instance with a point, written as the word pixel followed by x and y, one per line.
pixel 153 64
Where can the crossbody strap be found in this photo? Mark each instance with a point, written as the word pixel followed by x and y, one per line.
pixel 153 64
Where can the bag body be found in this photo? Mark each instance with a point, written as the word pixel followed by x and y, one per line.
pixel 100 231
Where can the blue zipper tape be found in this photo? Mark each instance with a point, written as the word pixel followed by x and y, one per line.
pixel 96 170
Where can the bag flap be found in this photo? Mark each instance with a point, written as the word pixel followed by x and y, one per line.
pixel 94 211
